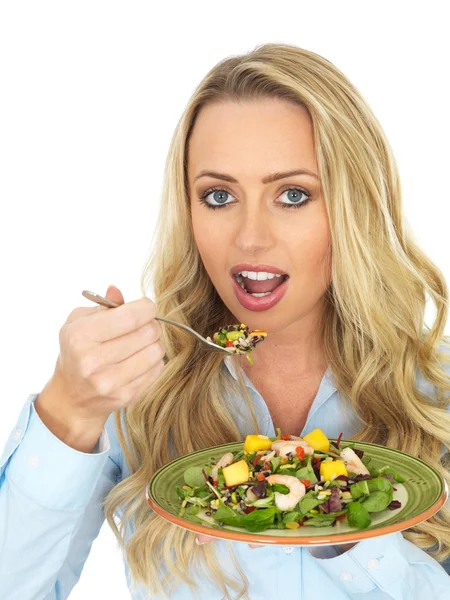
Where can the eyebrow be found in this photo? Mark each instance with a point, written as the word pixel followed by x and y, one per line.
pixel 268 179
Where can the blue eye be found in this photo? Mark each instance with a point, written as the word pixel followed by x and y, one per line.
pixel 218 197
pixel 222 204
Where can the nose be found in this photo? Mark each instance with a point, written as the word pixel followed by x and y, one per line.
pixel 254 228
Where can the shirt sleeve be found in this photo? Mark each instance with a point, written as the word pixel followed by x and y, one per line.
pixel 389 567
pixel 50 508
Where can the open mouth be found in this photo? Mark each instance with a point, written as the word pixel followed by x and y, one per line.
pixel 259 288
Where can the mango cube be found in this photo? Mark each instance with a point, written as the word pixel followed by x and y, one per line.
pixel 236 473
pixel 253 443
pixel 328 468
pixel 317 440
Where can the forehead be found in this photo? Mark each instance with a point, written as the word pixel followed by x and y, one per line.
pixel 257 137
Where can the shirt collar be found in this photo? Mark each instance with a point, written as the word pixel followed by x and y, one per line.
pixel 228 362
pixel 326 390
pixel 327 377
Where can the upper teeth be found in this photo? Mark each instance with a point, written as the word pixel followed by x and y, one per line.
pixel 259 275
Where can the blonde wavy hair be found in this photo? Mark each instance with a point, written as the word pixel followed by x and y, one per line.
pixel 373 325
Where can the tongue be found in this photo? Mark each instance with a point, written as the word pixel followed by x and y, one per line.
pixel 253 286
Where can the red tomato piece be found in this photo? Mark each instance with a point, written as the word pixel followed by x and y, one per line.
pixel 300 452
pixel 257 457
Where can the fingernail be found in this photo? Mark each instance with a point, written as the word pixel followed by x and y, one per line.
pixel 197 541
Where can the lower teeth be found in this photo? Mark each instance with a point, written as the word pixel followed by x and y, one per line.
pixel 257 295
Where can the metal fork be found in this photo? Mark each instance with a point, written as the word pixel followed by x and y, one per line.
pixel 211 346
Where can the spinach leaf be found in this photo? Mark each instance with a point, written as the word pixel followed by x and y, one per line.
pixel 291 516
pixel 261 502
pixel 359 489
pixel 184 493
pixel 192 510
pixel 308 502
pixel 220 480
pixel 227 515
pixel 377 501
pixel 379 484
pixel 275 463
pixel 201 492
pixel 389 471
pixel 259 520
pixel 289 471
pixel 279 487
pixel 193 476
pixel 357 515
pixel 339 483
pixel 307 472
pixel 320 521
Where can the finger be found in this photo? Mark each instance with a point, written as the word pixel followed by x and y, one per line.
pixel 84 311
pixel 113 293
pixel 121 348
pixel 203 539
pixel 133 390
pixel 129 369
pixel 123 319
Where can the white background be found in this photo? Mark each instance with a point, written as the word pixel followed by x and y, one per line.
pixel 90 92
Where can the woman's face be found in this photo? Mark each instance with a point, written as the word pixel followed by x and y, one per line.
pixel 268 226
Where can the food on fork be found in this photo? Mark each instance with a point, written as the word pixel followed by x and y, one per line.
pixel 238 339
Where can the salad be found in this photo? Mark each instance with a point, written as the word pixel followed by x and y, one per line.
pixel 238 339
pixel 287 482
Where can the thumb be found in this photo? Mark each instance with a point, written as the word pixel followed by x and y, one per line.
pixel 201 539
pixel 114 294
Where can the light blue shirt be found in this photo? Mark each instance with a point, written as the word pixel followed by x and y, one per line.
pixel 50 513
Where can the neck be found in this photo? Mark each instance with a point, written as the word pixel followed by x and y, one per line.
pixel 296 351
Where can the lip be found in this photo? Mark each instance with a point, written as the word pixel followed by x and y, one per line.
pixel 256 268
pixel 259 304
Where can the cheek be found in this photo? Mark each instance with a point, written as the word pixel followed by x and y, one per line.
pixel 209 246
pixel 206 240
pixel 312 251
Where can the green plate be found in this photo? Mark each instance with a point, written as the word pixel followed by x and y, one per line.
pixel 421 495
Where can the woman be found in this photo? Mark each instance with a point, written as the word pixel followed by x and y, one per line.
pixel 277 166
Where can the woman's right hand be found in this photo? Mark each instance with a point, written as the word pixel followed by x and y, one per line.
pixel 108 358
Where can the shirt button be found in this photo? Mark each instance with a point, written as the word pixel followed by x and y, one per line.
pixel 288 549
pixel 373 563
pixel 16 435
pixel 33 461
pixel 346 577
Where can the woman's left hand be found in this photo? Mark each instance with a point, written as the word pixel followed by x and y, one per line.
pixel 202 539
pixel 346 547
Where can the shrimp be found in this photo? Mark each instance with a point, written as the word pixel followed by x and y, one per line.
pixel 353 463
pixel 268 456
pixel 296 491
pixel 283 447
pixel 226 460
